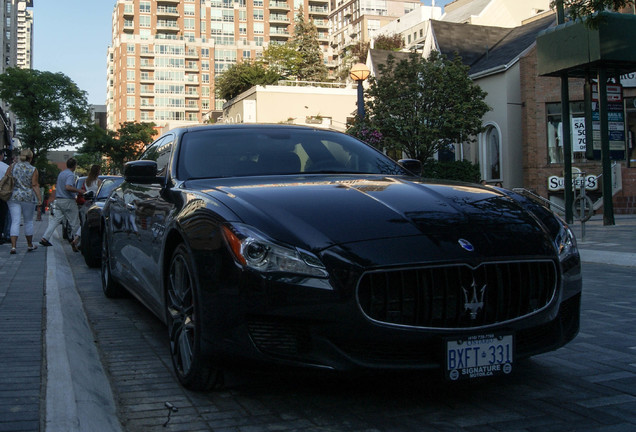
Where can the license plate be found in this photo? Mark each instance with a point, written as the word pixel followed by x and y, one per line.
pixel 478 356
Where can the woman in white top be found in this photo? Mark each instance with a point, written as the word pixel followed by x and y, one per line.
pixel 92 180
pixel 26 195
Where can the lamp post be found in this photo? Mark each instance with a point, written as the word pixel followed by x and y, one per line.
pixel 359 72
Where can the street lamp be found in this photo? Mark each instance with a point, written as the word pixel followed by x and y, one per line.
pixel 359 72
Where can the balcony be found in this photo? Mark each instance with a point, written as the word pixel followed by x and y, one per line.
pixel 191 54
pixel 129 26
pixel 146 78
pixel 279 19
pixel 146 66
pixel 167 25
pixel 166 11
pixel 148 106
pixel 168 2
pixel 321 23
pixel 129 12
pixel 278 5
pixel 192 94
pixel 276 32
pixel 192 107
pixel 318 10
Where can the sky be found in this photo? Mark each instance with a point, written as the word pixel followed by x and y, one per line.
pixel 73 36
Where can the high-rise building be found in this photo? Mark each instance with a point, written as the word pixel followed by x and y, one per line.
pixel 355 21
pixel 24 35
pixel 165 54
pixel 17 51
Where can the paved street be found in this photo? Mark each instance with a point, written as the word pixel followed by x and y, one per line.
pixel 107 366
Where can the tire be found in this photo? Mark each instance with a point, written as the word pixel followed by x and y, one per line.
pixel 184 325
pixel 111 288
pixel 92 247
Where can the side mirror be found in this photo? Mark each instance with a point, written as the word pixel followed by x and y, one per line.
pixel 90 195
pixel 141 171
pixel 412 165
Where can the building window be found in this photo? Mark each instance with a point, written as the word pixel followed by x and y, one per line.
pixel 258 14
pixel 130 101
pixel 130 75
pixel 130 62
pixel 144 21
pixel 554 129
pixel 130 115
pixel 492 153
pixel 144 7
pixel 188 23
pixel 130 88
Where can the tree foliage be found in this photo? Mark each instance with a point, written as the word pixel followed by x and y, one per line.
pixel 121 146
pixel 305 41
pixel 51 110
pixel 391 42
pixel 284 59
pixel 421 106
pixel 587 9
pixel 243 76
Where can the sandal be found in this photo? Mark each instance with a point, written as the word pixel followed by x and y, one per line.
pixel 31 248
pixel 13 252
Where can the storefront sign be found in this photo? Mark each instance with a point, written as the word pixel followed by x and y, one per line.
pixel 578 134
pixel 628 80
pixel 556 183
pixel 616 121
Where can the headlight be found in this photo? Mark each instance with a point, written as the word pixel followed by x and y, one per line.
pixel 565 243
pixel 254 250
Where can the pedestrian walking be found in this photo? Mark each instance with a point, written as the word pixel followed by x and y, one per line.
pixel 65 204
pixel 26 195
pixel 5 217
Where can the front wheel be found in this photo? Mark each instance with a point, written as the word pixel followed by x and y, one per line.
pixel 184 325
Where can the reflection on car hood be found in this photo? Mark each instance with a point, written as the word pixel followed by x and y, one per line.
pixel 329 210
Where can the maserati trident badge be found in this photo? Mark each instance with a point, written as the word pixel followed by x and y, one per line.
pixel 465 244
pixel 476 301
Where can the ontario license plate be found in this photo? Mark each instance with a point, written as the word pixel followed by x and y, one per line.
pixel 478 356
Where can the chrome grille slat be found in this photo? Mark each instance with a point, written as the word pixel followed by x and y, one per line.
pixel 434 297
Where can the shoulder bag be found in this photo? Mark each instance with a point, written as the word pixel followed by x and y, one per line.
pixel 6 185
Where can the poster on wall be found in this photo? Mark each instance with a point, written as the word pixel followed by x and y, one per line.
pixel 616 121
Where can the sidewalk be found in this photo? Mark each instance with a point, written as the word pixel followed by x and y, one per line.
pixel 51 378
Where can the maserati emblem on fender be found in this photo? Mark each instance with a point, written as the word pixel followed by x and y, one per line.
pixel 476 301
pixel 465 244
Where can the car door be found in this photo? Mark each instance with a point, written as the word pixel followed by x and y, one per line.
pixel 148 210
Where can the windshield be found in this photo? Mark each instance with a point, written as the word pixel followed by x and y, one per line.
pixel 272 151
pixel 107 187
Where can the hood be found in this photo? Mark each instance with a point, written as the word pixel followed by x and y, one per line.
pixel 323 211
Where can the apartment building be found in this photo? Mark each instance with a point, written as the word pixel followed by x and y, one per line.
pixel 17 49
pixel 165 54
pixel 354 21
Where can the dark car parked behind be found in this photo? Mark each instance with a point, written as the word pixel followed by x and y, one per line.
pixel 303 247
pixel 91 220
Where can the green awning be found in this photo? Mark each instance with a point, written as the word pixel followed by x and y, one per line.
pixel 574 48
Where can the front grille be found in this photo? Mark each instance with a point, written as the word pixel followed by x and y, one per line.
pixel 457 296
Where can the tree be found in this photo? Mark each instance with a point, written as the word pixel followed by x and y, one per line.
pixel 421 106
pixel 312 66
pixel 587 9
pixel 283 59
pixel 51 110
pixel 392 42
pixel 124 145
pixel 241 77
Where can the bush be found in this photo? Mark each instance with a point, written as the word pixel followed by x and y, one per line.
pixel 455 170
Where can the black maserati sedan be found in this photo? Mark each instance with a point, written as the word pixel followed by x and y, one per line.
pixel 291 246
